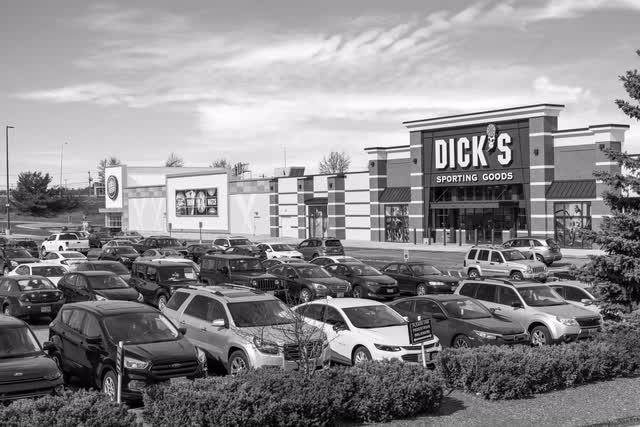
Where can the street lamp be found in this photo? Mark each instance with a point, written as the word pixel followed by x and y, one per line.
pixel 61 152
pixel 8 213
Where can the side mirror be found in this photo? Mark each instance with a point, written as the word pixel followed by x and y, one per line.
pixel 340 327
pixel 219 323
pixel 586 301
pixel 269 250
pixel 516 304
pixel 47 346
pixel 406 318
pixel 439 316
pixel 183 331
pixel 94 340
pixel 291 276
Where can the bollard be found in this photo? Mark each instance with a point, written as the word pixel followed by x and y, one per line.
pixel 415 237
pixel 476 236
pixel 460 237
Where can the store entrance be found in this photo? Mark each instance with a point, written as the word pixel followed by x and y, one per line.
pixel 478 225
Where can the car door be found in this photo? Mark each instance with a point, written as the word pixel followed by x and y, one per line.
pixel 486 294
pixel 482 261
pixel 497 264
pixel 146 284
pixel 405 309
pixel 67 286
pixel 198 316
pixel 426 308
pixel 340 337
pixel 73 352
pixel 405 279
pixel 304 248
pixel 89 354
pixel 506 296
pixel 292 282
pixel 391 270
pixel 82 290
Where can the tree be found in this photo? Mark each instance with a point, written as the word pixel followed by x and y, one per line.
pixel 105 163
pixel 335 163
pixel 617 274
pixel 174 161
pixel 33 195
pixel 221 163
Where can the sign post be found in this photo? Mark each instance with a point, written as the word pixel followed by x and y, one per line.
pixel 200 227
pixel 169 226
pixel 419 332
pixel 119 370
pixel 405 255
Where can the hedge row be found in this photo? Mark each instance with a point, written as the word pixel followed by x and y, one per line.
pixel 371 392
pixel 82 408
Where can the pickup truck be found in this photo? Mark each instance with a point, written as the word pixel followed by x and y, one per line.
pixel 160 242
pixel 64 242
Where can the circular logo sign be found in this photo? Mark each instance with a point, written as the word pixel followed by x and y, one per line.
pixel 112 187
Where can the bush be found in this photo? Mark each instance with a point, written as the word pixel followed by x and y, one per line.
pixel 83 408
pixel 376 391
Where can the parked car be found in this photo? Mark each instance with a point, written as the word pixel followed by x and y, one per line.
pixel 128 235
pixel 125 255
pixel 85 338
pixel 323 261
pixel 32 296
pixel 159 253
pixel 29 245
pixel 543 249
pixel 25 369
pixel 51 272
pixel 576 293
pixel 95 265
pixel 240 270
pixel 98 238
pixel 157 281
pixel 306 282
pixel 366 281
pixel 82 234
pixel 268 263
pixel 244 245
pixel 197 250
pixel 160 242
pixel 96 286
pixel 460 321
pixel 243 250
pixel 279 250
pixel 63 242
pixel 11 257
pixel 242 328
pixel 546 316
pixel 64 257
pixel 117 243
pixel 420 278
pixel 489 261
pixel 179 260
pixel 361 330
pixel 320 246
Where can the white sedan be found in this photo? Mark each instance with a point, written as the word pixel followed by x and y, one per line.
pixel 360 330
pixel 279 250
pixel 51 272
pixel 323 261
pixel 63 257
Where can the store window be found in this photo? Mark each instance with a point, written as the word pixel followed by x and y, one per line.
pixel 569 220
pixel 113 220
pixel 396 223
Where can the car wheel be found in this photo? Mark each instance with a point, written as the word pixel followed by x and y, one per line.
pixel 361 355
pixel 473 273
pixel 357 292
pixel 305 295
pixel 7 310
pixel 56 357
pixel 161 302
pixel 540 336
pixel 548 264
pixel 540 258
pixel 5 271
pixel 238 362
pixel 314 256
pixel 43 251
pixel 516 275
pixel 421 289
pixel 461 341
pixel 109 385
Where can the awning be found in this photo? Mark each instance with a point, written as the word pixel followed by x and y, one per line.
pixel 396 195
pixel 317 201
pixel 574 189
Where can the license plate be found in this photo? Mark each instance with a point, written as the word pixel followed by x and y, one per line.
pixel 339 294
pixel 46 309
pixel 390 291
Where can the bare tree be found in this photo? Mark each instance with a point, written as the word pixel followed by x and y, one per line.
pixel 335 163
pixel 174 161
pixel 221 163
pixel 105 163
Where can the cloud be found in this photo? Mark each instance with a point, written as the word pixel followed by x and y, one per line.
pixel 99 93
pixel 567 94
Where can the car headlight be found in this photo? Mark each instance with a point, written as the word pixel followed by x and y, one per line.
pixel 201 356
pixel 436 283
pixel 172 290
pixel 100 298
pixel 276 282
pixel 140 298
pixel 485 335
pixel 53 375
pixel 319 286
pixel 371 283
pixel 567 322
pixel 125 259
pixel 132 363
pixel 529 269
pixel 254 283
pixel 383 347
pixel 13 264
pixel 265 346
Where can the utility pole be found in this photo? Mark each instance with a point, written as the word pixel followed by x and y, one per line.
pixel 8 204
pixel 90 181
pixel 61 153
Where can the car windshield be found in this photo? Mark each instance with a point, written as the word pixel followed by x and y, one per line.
pixel 26 244
pixel 365 270
pixel 373 316
pixel 107 282
pixel 260 313
pixel 315 272
pixel 281 248
pixel 332 243
pixel 72 255
pixel 18 342
pixel 115 267
pixel 139 328
pixel 17 253
pixel 125 250
pixel 465 309
pixel 424 269
pixel 168 242
pixel 177 274
pixel 245 265
pixel 34 284
pixel 513 255
pixel 540 296
pixel 240 242
pixel 48 271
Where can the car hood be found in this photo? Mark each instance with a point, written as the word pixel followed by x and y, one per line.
pixel 566 311
pixel 280 334
pixel 24 260
pixel 252 275
pixel 592 307
pixel 176 351
pixel 440 278
pixel 31 367
pixel 122 294
pixel 384 280
pixel 290 254
pixel 330 281
pixel 497 326
pixel 392 335
pixel 55 279
pixel 252 248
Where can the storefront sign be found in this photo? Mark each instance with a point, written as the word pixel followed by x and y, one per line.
pixel 112 187
pixel 197 202
pixel 477 178
pixel 473 151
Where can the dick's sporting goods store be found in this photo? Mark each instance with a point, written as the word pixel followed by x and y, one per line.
pixel 489 176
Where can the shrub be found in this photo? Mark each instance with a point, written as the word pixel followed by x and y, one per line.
pixel 83 408
pixel 376 391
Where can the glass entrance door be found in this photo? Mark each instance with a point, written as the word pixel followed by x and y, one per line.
pixel 317 221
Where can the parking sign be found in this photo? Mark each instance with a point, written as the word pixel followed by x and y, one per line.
pixel 405 255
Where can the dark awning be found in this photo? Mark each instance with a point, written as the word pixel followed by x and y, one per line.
pixel 574 189
pixel 317 201
pixel 396 195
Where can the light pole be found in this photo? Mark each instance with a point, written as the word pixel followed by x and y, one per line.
pixel 61 153
pixel 8 213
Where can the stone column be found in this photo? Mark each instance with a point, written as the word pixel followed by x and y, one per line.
pixel 274 214
pixel 305 191
pixel 377 184
pixel 335 207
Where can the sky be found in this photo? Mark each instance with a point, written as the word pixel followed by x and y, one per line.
pixel 247 80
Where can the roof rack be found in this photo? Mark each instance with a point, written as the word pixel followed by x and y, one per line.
pixel 227 285
pixel 493 279
pixel 488 246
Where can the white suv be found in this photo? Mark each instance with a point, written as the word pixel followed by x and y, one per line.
pixel 243 328
pixel 539 309
pixel 489 261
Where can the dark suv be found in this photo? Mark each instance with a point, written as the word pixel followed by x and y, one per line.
pixel 11 257
pixel 305 282
pixel 23 242
pixel 240 270
pixel 320 246
pixel 85 339
pixel 96 286
pixel 157 280
pixel 366 281
pixel 25 370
